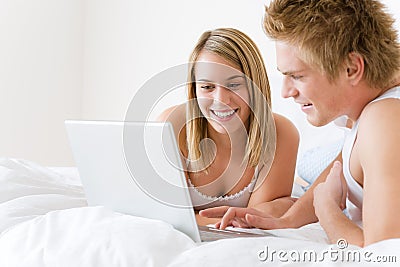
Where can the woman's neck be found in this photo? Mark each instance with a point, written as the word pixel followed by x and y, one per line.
pixel 235 142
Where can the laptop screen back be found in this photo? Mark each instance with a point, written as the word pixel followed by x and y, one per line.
pixel 133 168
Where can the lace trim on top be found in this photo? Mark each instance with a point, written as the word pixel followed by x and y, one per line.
pixel 226 197
pixel 239 199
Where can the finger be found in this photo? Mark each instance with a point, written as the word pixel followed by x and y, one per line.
pixel 227 218
pixel 263 222
pixel 333 181
pixel 344 193
pixel 340 182
pixel 335 172
pixel 235 224
pixel 230 215
pixel 216 212
pixel 239 222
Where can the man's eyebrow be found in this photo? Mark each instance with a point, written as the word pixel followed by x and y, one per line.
pixel 289 72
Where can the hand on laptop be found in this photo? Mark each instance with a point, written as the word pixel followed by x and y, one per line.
pixel 204 221
pixel 243 217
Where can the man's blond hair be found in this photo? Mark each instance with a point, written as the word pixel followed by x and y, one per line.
pixel 327 31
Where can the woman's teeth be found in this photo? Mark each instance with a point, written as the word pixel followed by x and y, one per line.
pixel 223 114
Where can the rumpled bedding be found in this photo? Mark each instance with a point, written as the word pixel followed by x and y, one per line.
pixel 45 221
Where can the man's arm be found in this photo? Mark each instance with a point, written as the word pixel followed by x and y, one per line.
pixel 329 201
pixel 379 153
pixel 375 161
pixel 300 213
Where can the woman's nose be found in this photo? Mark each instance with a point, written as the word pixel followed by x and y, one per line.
pixel 222 94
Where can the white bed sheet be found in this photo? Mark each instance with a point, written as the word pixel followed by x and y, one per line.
pixel 45 221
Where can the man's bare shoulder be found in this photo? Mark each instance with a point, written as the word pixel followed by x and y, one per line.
pixel 385 111
pixel 379 129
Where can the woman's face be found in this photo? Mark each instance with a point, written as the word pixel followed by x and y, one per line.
pixel 222 93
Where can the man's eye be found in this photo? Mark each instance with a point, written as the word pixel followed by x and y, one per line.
pixel 296 77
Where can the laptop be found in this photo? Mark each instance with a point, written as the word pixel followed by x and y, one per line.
pixel 135 168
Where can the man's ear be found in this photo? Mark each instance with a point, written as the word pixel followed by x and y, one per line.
pixel 355 68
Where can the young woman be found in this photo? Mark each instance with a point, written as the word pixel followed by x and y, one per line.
pixel 237 152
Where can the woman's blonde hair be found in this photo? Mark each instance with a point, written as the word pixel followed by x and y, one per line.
pixel 237 48
pixel 327 31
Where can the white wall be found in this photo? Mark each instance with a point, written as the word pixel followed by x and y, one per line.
pixel 128 42
pixel 41 77
pixel 62 59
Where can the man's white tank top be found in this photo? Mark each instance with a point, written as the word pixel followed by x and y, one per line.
pixel 355 191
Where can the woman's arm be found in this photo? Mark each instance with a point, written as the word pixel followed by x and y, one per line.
pixel 277 182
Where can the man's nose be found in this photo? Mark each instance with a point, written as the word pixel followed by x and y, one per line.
pixel 288 88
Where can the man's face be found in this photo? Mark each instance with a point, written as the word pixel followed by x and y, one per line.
pixel 321 100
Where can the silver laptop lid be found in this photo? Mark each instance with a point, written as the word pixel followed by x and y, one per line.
pixel 133 168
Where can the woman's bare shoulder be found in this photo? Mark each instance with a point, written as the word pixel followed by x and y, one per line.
pixel 285 128
pixel 173 113
pixel 176 115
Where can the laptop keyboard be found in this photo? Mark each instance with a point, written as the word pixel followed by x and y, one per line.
pixel 212 234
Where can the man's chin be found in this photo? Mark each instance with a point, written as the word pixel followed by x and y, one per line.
pixel 316 123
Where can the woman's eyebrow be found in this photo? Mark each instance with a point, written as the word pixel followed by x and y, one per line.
pixel 202 80
pixel 235 76
pixel 228 79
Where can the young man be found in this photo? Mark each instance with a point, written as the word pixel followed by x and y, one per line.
pixel 340 58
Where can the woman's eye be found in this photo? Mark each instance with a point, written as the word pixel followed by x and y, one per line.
pixel 206 86
pixel 233 85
